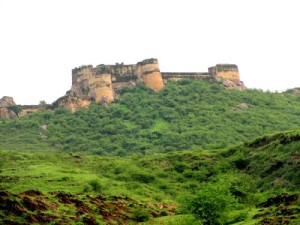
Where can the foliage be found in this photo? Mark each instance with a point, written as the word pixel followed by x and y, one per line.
pixel 15 108
pixel 207 179
pixel 212 203
pixel 96 186
pixel 42 103
pixel 184 115
pixel 149 146
pixel 140 215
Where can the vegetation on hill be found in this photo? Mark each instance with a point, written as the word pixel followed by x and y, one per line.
pixel 184 115
pixel 257 181
pixel 62 168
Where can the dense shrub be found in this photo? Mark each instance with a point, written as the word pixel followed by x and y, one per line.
pixel 184 115
pixel 142 177
pixel 211 203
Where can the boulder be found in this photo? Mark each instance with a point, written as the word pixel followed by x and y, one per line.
pixel 6 101
pixel 229 84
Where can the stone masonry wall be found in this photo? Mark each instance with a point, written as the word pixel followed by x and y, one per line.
pixel 225 71
pixel 101 83
pixel 194 76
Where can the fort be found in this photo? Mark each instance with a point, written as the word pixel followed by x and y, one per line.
pixel 102 83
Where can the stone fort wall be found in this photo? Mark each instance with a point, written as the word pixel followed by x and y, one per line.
pixel 101 83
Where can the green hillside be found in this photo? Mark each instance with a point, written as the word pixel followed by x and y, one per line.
pixel 142 160
pixel 184 115
pixel 256 181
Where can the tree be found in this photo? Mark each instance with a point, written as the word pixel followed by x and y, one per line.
pixel 211 203
pixel 42 103
pixel 15 108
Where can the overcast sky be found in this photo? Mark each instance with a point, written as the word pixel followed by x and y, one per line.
pixel 42 40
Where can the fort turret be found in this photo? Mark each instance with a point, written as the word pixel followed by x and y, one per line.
pixel 149 72
pixel 103 81
pixel 225 71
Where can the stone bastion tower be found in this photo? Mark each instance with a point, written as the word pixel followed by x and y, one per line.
pixel 101 83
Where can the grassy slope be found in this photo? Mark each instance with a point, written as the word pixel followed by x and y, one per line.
pixel 272 160
pixel 160 136
pixel 254 172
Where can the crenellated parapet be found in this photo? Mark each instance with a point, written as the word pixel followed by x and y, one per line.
pixel 225 71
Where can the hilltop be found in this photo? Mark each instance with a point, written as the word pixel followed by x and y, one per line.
pixel 102 84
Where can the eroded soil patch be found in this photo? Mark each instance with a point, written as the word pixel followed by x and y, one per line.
pixel 33 206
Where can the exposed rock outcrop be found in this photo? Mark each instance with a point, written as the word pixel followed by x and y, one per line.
pixel 5 108
pixel 6 101
pixel 229 84
pixel 10 110
pixel 295 91
pixel 72 103
pixel 5 113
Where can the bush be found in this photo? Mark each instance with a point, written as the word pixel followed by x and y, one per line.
pixel 180 167
pixel 15 108
pixel 140 215
pixel 95 185
pixel 211 203
pixel 142 177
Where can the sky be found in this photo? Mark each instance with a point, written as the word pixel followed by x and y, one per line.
pixel 41 41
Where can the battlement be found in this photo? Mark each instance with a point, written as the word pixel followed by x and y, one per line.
pixel 225 71
pixel 77 70
pixel 123 73
pixel 36 107
pixel 148 61
pixel 184 75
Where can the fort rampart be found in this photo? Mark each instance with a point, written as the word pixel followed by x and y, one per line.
pixel 101 83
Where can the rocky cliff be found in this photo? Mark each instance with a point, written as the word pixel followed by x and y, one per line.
pixel 6 111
